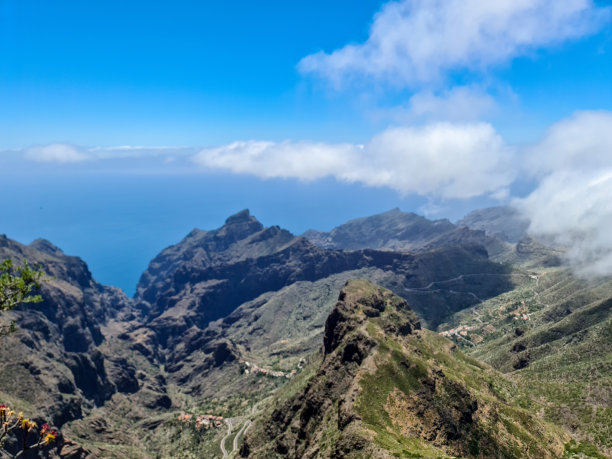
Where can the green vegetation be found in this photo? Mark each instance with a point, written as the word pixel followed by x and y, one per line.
pixel 388 387
pixel 576 450
pixel 16 286
pixel 553 335
pixel 422 373
pixel 31 437
pixel 232 406
pixel 428 378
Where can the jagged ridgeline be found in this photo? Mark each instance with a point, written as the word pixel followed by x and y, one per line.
pixel 384 387
pixel 224 319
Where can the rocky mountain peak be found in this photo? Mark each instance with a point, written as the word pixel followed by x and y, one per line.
pixel 47 247
pixel 394 211
pixel 360 300
pixel 243 216
pixel 504 222
pixel 239 226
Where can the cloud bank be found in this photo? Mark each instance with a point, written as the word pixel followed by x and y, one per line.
pixel 67 153
pixel 459 104
pixel 571 164
pixel 442 159
pixel 572 203
pixel 412 42
pixel 578 143
pixel 55 153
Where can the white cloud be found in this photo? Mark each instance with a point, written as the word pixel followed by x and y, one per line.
pixel 581 142
pixel 56 152
pixel 442 160
pixel 138 151
pixel 572 202
pixel 458 104
pixel 572 164
pixel 413 42
pixel 302 160
pixel 66 153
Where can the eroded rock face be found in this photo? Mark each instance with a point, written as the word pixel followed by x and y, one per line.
pixel 390 230
pixel 123 375
pixel 503 222
pixel 69 449
pixel 385 388
pixel 54 355
pixel 295 427
pixel 210 274
pixel 90 376
pixel 447 424
pixel 360 300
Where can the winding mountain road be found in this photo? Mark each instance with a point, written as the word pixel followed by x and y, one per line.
pixel 242 431
pixel 229 432
pixel 428 287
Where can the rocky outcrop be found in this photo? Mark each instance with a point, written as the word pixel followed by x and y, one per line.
pixel 294 428
pixel 53 359
pixel 385 388
pixel 528 248
pixel 69 449
pixel 358 301
pixel 210 274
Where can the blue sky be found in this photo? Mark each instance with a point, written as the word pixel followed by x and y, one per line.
pixel 162 73
pixel 129 123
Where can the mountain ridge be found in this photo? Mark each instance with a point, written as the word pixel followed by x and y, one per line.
pixel 242 260
pixel 345 409
pixel 219 299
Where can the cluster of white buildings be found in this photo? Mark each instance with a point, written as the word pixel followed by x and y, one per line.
pixel 206 421
pixel 461 330
pixel 251 368
pixel 203 421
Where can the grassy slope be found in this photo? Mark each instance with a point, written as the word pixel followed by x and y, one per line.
pixel 501 424
pixel 418 396
pixel 559 329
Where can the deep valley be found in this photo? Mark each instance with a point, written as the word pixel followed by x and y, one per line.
pixel 390 336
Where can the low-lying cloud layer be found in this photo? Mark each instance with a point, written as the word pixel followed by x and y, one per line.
pixel 441 160
pixel 55 153
pixel 412 42
pixel 63 153
pixel 571 166
pixel 572 203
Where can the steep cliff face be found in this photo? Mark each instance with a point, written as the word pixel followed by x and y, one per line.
pixel 210 276
pixel 385 388
pixel 53 360
pixel 64 362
